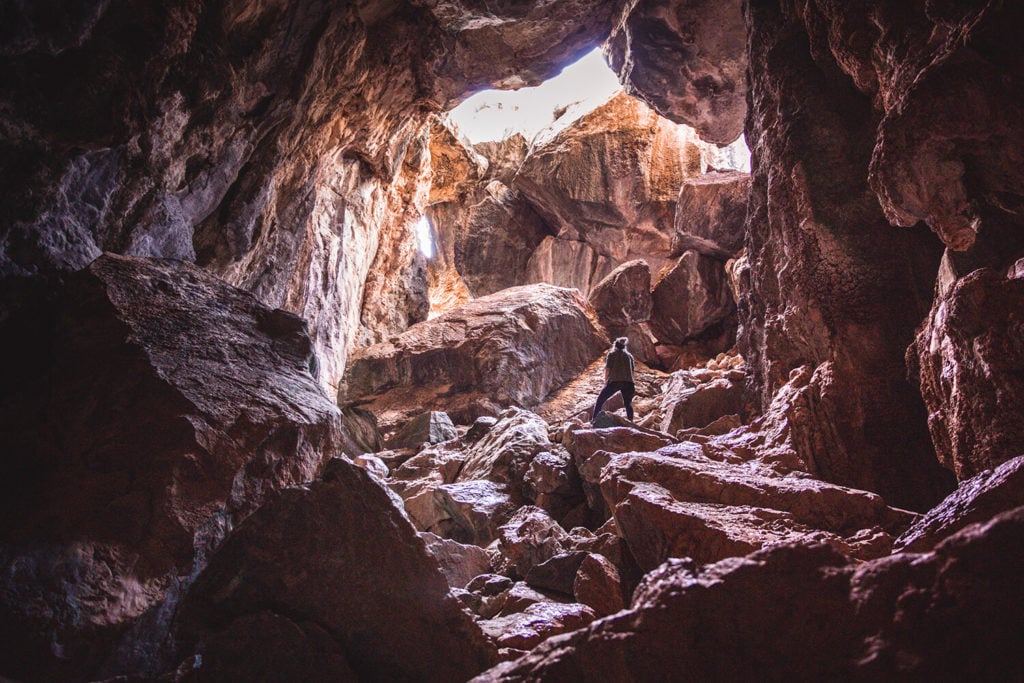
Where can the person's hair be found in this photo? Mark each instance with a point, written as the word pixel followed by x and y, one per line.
pixel 621 342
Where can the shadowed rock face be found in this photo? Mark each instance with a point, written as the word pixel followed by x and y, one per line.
pixel 152 405
pixel 688 60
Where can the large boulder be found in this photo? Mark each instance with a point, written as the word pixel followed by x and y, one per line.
pixel 431 427
pixel 151 406
pixel 969 356
pixel 690 297
pixel 318 557
pixel 803 612
pixel 495 349
pixel 688 60
pixel 710 214
pixel 623 297
pixel 976 500
pixel 610 181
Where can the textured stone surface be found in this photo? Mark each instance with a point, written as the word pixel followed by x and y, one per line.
pixel 687 59
pixel 531 537
pixel 150 406
pixel 711 213
pixel 969 356
pixel 736 617
pixel 598 585
pixel 976 500
pixel 609 182
pixel 689 297
pixel 830 281
pixel 318 555
pixel 623 297
pixel 430 427
pixel 459 563
pixel 538 622
pixel 495 347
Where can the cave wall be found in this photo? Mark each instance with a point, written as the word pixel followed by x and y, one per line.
pixel 266 141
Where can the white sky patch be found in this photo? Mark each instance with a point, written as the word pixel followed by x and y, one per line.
pixel 497 114
pixel 425 237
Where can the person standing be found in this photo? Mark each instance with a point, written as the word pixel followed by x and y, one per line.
pixel 618 376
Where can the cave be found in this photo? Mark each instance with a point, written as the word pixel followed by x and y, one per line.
pixel 298 378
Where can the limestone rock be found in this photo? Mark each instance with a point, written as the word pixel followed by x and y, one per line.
pixel 459 563
pixel 853 624
pixel 710 214
pixel 430 427
pixel 690 297
pixel 623 297
pixel 150 407
pixel 969 355
pixel 505 453
pixel 687 60
pixel 623 151
pixel 495 347
pixel 557 573
pixel 318 554
pixel 976 500
pixel 552 483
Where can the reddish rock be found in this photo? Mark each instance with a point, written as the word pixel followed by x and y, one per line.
pixel 969 356
pixel 623 297
pixel 538 622
pixel 151 405
pixel 865 620
pixel 976 500
pixel 459 563
pixel 531 537
pixel 319 554
pixel 689 476
pixel 474 511
pixel 506 451
pixel 494 348
pixel 608 185
pixel 557 573
pixel 552 483
pixel 598 586
pixel 710 214
pixel 689 298
pixel 430 427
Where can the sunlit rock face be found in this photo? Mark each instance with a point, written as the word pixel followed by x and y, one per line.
pixel 493 351
pixel 687 60
pixel 608 185
pixel 152 408
pixel 273 143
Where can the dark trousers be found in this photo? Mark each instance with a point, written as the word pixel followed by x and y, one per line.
pixel 628 390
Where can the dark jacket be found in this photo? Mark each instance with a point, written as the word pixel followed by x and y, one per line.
pixel 620 365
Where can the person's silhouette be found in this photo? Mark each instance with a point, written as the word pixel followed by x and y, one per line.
pixel 618 376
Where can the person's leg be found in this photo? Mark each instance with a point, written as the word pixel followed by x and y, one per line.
pixel 605 394
pixel 628 392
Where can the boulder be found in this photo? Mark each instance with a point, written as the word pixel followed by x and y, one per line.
pixel 687 60
pixel 531 537
pixel 506 451
pixel 151 406
pixel 430 427
pixel 492 349
pixel 710 214
pixel 552 483
pixel 856 620
pixel 690 297
pixel 598 585
pixel 623 297
pixel 557 573
pixel 689 476
pixel 538 622
pixel 317 555
pixel 459 563
pixel 475 511
pixel 975 501
pixel 701 405
pixel 969 357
